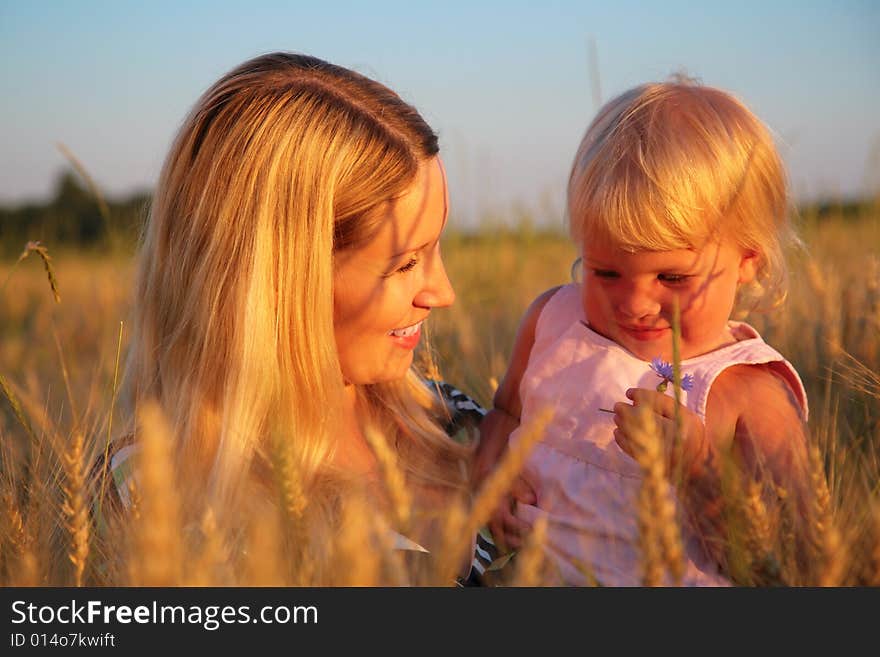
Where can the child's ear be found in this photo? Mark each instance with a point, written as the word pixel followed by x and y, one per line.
pixel 748 266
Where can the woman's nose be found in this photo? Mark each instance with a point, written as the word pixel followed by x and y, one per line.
pixel 437 291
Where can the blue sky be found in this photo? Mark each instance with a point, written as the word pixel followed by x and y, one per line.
pixel 506 84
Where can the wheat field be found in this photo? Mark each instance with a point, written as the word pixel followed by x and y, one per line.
pixel 59 362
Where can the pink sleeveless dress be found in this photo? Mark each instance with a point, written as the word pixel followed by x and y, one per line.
pixel 587 486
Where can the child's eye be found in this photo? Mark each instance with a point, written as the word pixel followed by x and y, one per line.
pixel 672 278
pixel 605 273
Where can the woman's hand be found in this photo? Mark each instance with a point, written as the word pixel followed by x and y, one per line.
pixel 693 448
pixel 495 430
pixel 508 531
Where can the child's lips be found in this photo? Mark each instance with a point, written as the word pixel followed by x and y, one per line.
pixel 644 332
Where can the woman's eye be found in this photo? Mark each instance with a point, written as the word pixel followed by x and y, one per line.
pixel 605 273
pixel 408 266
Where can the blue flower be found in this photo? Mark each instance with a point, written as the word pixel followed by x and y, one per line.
pixel 665 371
pixel 662 368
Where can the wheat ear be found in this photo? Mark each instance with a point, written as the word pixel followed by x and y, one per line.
pixel 75 507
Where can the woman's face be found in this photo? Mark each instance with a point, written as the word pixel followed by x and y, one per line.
pixel 384 290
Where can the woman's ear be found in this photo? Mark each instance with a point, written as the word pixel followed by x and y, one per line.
pixel 748 266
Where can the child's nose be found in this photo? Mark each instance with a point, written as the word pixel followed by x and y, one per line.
pixel 638 302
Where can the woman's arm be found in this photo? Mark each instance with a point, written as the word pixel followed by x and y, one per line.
pixel 501 421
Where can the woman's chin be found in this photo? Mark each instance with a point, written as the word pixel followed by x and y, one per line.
pixel 393 370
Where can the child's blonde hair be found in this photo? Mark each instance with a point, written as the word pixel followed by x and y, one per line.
pixel 283 163
pixel 674 164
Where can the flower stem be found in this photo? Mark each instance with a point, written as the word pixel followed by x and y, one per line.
pixel 678 447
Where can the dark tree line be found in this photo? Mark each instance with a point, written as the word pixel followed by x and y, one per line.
pixel 72 218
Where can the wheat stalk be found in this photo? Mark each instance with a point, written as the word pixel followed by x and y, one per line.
pixel 15 403
pixel 262 566
pixel 461 525
pixel 508 469
pixel 393 477
pixel 659 535
pixel 819 487
pixel 759 535
pixel 827 538
pixel 874 578
pixel 357 560
pixel 13 531
pixel 453 552
pixel 532 559
pixel 834 558
pixel 75 507
pixel 43 253
pixel 12 536
pixel 158 552
pixel 105 462
pixel 652 562
pixel 758 531
pixel 826 286
pixel 17 558
pixel 212 555
pixel 287 479
pixel 430 368
pixel 70 400
pixel 93 188
pixel 28 572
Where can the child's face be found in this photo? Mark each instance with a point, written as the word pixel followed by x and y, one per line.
pixel 629 297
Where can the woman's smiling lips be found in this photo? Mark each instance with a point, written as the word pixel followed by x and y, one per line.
pixel 407 337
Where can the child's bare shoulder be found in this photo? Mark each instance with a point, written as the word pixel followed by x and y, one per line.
pixel 530 317
pixel 526 335
pixel 755 385
pixel 756 400
pixel 507 395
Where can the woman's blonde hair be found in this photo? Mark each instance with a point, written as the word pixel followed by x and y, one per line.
pixel 674 164
pixel 283 162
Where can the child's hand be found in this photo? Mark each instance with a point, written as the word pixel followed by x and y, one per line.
pixel 694 446
pixel 508 531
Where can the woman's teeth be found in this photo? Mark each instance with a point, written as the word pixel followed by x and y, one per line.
pixel 406 332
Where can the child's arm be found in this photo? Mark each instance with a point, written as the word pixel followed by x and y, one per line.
pixel 768 431
pixel 501 421
pixel 751 414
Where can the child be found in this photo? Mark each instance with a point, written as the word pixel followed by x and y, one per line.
pixel 676 194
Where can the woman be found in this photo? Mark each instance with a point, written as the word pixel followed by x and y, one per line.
pixel 290 259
